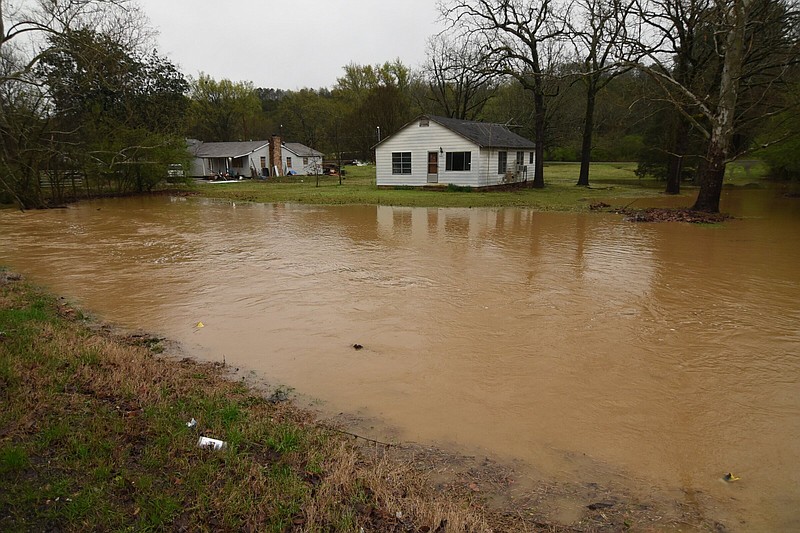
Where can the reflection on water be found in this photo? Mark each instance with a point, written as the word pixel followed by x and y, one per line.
pixel 667 351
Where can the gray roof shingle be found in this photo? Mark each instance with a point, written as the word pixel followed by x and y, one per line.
pixel 483 134
pixel 228 149
pixel 302 150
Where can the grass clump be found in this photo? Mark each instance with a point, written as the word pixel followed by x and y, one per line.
pixel 93 436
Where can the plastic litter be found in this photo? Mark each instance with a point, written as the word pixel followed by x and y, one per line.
pixel 191 424
pixel 211 444
pixel 730 478
pixel 200 325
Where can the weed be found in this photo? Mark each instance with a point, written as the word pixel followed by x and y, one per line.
pixel 13 459
pixel 158 511
pixel 285 438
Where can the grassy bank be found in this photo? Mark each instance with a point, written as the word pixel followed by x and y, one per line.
pixel 610 181
pixel 94 436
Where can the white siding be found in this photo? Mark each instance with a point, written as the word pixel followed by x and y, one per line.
pixel 419 141
pixel 436 138
pixel 255 160
pixel 302 169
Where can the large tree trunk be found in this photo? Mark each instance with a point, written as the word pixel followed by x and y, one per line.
pixel 711 178
pixel 722 120
pixel 586 144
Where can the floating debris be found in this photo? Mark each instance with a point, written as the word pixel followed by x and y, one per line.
pixel 672 215
pixel 200 325
pixel 730 478
pixel 358 346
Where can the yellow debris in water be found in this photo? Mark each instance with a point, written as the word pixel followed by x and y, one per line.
pixel 730 477
pixel 200 325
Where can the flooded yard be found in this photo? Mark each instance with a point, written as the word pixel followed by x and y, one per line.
pixel 655 356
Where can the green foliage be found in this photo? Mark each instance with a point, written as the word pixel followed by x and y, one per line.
pixel 371 97
pixel 222 110
pixel 782 157
pixel 563 153
pixel 284 438
pixel 99 116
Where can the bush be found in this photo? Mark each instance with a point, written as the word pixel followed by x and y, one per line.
pixel 782 159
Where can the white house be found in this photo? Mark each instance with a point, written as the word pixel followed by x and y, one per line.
pixel 300 159
pixel 439 150
pixel 247 159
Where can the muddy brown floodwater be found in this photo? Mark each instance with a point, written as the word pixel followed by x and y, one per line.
pixel 659 355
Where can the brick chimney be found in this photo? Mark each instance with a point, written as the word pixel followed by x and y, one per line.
pixel 275 156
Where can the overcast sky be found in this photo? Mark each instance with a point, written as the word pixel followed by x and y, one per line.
pixel 290 44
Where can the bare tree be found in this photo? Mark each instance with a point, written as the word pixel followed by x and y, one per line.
pixel 598 30
pixel 456 83
pixel 687 33
pixel 520 39
pixel 751 45
pixel 25 26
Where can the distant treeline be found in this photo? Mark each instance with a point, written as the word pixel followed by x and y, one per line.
pixel 89 107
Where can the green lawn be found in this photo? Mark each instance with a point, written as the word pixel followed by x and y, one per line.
pixel 609 181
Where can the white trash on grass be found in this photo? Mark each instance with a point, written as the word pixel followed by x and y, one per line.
pixel 211 444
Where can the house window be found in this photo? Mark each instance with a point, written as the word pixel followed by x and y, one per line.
pixel 424 123
pixel 263 162
pixel 520 158
pixel 288 162
pixel 458 161
pixel 502 162
pixel 401 162
pixel 305 161
pixel 531 159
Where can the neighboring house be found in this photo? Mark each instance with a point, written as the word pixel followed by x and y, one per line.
pixel 300 159
pixel 439 150
pixel 247 159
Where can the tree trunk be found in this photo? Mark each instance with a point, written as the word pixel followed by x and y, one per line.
pixel 678 142
pixel 586 145
pixel 711 178
pixel 538 164
pixel 722 129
